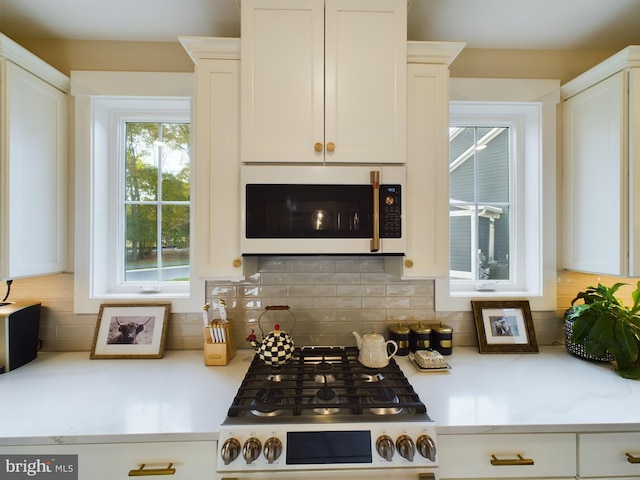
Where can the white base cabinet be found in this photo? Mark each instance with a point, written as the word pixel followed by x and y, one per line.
pixel 114 461
pixel 548 456
pixel 609 455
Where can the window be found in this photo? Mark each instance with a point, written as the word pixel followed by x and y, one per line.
pixel 154 200
pixel 480 197
pixel 133 190
pixel 501 193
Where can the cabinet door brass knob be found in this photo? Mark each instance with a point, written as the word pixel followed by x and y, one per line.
pixel 318 147
pixel 237 263
pixel 331 147
pixel 408 263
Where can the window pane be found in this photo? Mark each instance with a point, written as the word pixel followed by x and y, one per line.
pixel 461 247
pixel 157 245
pixel 461 164
pixel 493 169
pixel 463 183
pixel 141 165
pixel 175 243
pixel 493 244
pixel 141 243
pixel 479 203
pixel 174 153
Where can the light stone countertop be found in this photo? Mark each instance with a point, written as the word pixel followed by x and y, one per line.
pixel 547 392
pixel 66 398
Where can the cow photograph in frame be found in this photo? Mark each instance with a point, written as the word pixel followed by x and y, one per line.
pixel 130 331
pixel 504 326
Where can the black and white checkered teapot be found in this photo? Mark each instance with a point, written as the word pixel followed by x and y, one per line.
pixel 277 346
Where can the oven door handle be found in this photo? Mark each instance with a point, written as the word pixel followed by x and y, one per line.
pixel 375 181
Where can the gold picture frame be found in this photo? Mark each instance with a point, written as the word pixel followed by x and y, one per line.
pixel 137 330
pixel 504 326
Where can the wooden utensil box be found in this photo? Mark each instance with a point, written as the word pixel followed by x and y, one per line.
pixel 219 353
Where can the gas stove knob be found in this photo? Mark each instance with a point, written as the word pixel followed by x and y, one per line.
pixel 251 449
pixel 385 447
pixel 406 447
pixel 230 450
pixel 427 447
pixel 272 449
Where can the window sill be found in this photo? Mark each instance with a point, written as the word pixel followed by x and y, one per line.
pixel 447 301
pixel 180 303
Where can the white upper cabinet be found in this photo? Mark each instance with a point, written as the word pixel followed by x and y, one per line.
pixel 601 128
pixel 217 166
pixel 323 81
pixel 427 187
pixel 33 164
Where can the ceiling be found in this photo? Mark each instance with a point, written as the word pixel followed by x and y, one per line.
pixel 519 24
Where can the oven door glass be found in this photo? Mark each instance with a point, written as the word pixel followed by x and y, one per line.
pixel 312 448
pixel 309 211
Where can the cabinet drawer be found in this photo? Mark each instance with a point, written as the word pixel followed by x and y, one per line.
pixel 114 461
pixel 605 454
pixel 470 456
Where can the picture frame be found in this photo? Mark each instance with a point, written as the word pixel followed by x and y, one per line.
pixel 504 326
pixel 137 330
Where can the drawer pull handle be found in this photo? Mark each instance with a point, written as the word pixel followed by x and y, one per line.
pixel 141 472
pixel 632 459
pixel 511 461
pixel 426 476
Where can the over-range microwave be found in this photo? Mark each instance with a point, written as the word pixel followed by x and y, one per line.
pixel 322 210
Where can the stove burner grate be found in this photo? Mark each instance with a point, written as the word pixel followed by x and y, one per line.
pixel 322 382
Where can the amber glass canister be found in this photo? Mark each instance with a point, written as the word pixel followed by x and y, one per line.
pixel 442 338
pixel 420 337
pixel 399 333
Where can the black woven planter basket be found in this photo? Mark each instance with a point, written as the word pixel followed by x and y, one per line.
pixel 578 349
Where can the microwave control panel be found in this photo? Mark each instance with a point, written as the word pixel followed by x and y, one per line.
pixel 390 211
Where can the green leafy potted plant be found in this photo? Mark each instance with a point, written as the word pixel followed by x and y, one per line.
pixel 605 326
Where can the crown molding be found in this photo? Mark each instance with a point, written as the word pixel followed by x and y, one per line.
pixel 440 53
pixel 220 48
pixel 10 50
pixel 628 57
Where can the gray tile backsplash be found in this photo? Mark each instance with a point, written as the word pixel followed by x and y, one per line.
pixel 330 297
pixel 333 296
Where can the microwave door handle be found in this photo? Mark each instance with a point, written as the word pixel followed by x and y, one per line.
pixel 375 181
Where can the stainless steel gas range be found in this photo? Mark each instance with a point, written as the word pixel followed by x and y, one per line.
pixel 324 415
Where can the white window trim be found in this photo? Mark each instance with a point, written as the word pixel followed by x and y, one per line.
pixel 91 90
pixel 539 99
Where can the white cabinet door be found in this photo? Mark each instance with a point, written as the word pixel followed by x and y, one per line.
pixel 114 461
pixel 634 174
pixel 604 455
pixel 596 189
pixel 366 81
pixel 427 190
pixel 282 46
pixel 217 170
pixel 497 456
pixel 300 106
pixel 33 174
